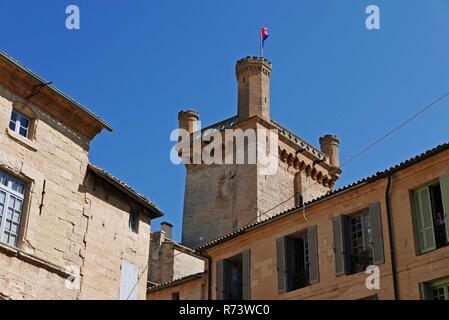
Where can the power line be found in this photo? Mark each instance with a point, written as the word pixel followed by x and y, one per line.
pixel 364 150
pixel 397 128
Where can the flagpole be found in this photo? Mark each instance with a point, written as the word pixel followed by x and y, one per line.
pixel 261 46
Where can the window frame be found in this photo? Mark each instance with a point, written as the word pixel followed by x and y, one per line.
pixel 416 215
pixel 367 240
pixel 21 196
pixel 18 124
pixel 431 286
pixel 133 222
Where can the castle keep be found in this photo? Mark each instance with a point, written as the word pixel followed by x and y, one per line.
pixel 220 198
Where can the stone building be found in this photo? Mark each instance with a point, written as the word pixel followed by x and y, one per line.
pixel 68 229
pixel 391 225
pixel 170 260
pixel 222 198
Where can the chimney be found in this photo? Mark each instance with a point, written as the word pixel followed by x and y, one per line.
pixel 167 228
pixel 253 77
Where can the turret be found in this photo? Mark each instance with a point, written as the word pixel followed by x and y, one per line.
pixel 253 77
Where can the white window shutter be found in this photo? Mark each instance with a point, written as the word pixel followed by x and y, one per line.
pixel 129 281
pixel 444 185
pixel 424 220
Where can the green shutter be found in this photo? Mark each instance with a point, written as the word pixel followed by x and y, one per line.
pixel 313 254
pixel 425 291
pixel 444 185
pixel 246 275
pixel 424 220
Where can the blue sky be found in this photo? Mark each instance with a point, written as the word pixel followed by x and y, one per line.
pixel 137 63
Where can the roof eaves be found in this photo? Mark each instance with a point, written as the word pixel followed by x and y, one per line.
pixel 175 282
pixel 335 193
pixel 156 212
pixel 56 91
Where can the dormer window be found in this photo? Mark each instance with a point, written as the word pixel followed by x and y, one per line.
pixel 20 124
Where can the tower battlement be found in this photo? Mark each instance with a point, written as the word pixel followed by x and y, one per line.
pixel 220 197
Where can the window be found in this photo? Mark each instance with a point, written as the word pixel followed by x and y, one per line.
pixel 358 241
pixel 297 260
pixel 20 124
pixel 361 242
pixel 435 290
pixel 133 221
pixel 431 208
pixel 175 296
pixel 233 281
pixel 12 193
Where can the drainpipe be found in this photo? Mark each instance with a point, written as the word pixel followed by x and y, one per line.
pixel 209 275
pixel 390 235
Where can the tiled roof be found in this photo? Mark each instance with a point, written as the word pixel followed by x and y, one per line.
pixel 375 177
pixel 174 282
pixel 157 213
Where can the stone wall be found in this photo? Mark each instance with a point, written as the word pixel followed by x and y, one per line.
pixel 67 228
pixel 109 240
pixel 186 264
pixel 52 229
pixel 412 268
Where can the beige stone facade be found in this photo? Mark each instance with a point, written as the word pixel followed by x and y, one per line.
pixel 74 218
pixel 192 287
pixel 221 198
pixel 170 261
pixel 312 242
pixel 413 269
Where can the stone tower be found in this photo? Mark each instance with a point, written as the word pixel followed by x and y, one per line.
pixel 221 198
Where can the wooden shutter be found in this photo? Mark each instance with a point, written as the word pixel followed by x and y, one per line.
pixel 221 271
pixel 246 275
pixel 313 254
pixel 281 255
pixel 444 185
pixel 424 220
pixel 425 292
pixel 341 246
pixel 376 227
pixel 128 281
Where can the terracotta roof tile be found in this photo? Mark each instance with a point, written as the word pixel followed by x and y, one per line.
pixel 377 176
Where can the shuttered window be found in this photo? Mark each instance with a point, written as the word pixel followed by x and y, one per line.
pixel 297 261
pixel 431 212
pixel 128 281
pixel 444 184
pixel 233 277
pixel 12 193
pixel 435 290
pixel 358 241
